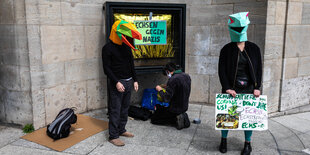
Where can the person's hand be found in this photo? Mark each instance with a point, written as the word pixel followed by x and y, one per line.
pixel 256 92
pixel 231 92
pixel 158 88
pixel 120 87
pixel 136 86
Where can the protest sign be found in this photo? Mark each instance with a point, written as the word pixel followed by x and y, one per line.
pixel 244 112
pixel 154 32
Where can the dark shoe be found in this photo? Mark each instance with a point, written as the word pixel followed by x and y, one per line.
pixel 180 122
pixel 187 123
pixel 223 145
pixel 247 148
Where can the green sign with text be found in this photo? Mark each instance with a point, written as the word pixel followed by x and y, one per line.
pixel 154 32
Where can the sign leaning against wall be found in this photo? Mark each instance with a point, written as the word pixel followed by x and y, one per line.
pixel 244 112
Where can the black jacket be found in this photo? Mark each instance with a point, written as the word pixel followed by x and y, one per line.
pixel 228 64
pixel 177 93
pixel 118 62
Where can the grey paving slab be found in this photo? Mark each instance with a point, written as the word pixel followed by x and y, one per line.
pixel 284 135
pixel 29 144
pixel 133 149
pixel 9 135
pixel 285 138
pixel 305 116
pixel 18 150
pixel 293 122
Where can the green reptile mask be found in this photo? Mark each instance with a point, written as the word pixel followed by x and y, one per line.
pixel 238 25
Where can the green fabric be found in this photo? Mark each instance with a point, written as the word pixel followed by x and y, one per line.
pixel 177 71
pixel 238 20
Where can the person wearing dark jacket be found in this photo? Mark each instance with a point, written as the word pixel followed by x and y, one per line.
pixel 239 69
pixel 119 67
pixel 177 94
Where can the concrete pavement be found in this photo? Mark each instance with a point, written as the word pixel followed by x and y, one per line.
pixel 289 134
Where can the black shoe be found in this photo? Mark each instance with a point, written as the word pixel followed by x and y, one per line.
pixel 247 148
pixel 180 122
pixel 187 123
pixel 223 145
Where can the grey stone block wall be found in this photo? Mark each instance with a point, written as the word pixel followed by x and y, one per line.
pixel 15 96
pixel 62 59
pixel 286 65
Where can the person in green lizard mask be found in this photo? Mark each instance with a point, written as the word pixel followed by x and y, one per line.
pixel 239 69
pixel 237 26
pixel 177 94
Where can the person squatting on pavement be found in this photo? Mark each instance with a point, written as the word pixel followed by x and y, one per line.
pixel 177 93
pixel 240 69
pixel 119 67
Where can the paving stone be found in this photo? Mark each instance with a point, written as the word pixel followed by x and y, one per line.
pixel 96 94
pixel 271 12
pixel 304 66
pixel 272 90
pixel 205 65
pixel 207 15
pixel 291 97
pixel 22 150
pixel 73 95
pixel 199 88
pixel 274 42
pixel 62 43
pixel 291 68
pixel 295 47
pixel 272 70
pixel 255 8
pixel 81 14
pixel 9 135
pixel 306 13
pixel 280 12
pixel 198 40
pixel 94 41
pixel 294 14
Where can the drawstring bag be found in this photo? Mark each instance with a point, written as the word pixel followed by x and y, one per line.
pixel 149 99
pixel 60 127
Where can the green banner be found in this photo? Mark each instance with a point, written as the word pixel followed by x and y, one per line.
pixel 154 32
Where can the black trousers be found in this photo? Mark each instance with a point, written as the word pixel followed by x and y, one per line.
pixel 118 108
pixel 162 116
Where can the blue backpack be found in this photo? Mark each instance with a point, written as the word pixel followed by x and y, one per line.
pixel 149 99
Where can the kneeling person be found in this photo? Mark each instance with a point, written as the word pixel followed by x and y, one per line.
pixel 177 94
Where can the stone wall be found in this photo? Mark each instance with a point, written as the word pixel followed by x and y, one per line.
pixel 15 100
pixel 59 53
pixel 287 58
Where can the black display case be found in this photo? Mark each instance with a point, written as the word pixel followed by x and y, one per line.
pixel 175 14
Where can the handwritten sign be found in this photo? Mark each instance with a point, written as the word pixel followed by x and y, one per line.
pixel 154 32
pixel 244 112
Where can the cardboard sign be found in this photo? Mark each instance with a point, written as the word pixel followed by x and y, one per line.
pixel 154 32
pixel 244 112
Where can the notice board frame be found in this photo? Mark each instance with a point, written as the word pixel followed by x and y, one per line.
pixel 108 8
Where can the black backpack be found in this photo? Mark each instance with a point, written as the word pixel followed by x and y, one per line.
pixel 60 127
pixel 139 113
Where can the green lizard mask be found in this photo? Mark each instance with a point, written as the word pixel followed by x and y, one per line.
pixel 238 25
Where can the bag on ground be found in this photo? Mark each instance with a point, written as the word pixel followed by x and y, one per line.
pixel 60 127
pixel 149 99
pixel 139 113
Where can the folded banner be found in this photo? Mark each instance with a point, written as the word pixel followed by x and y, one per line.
pixel 244 112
